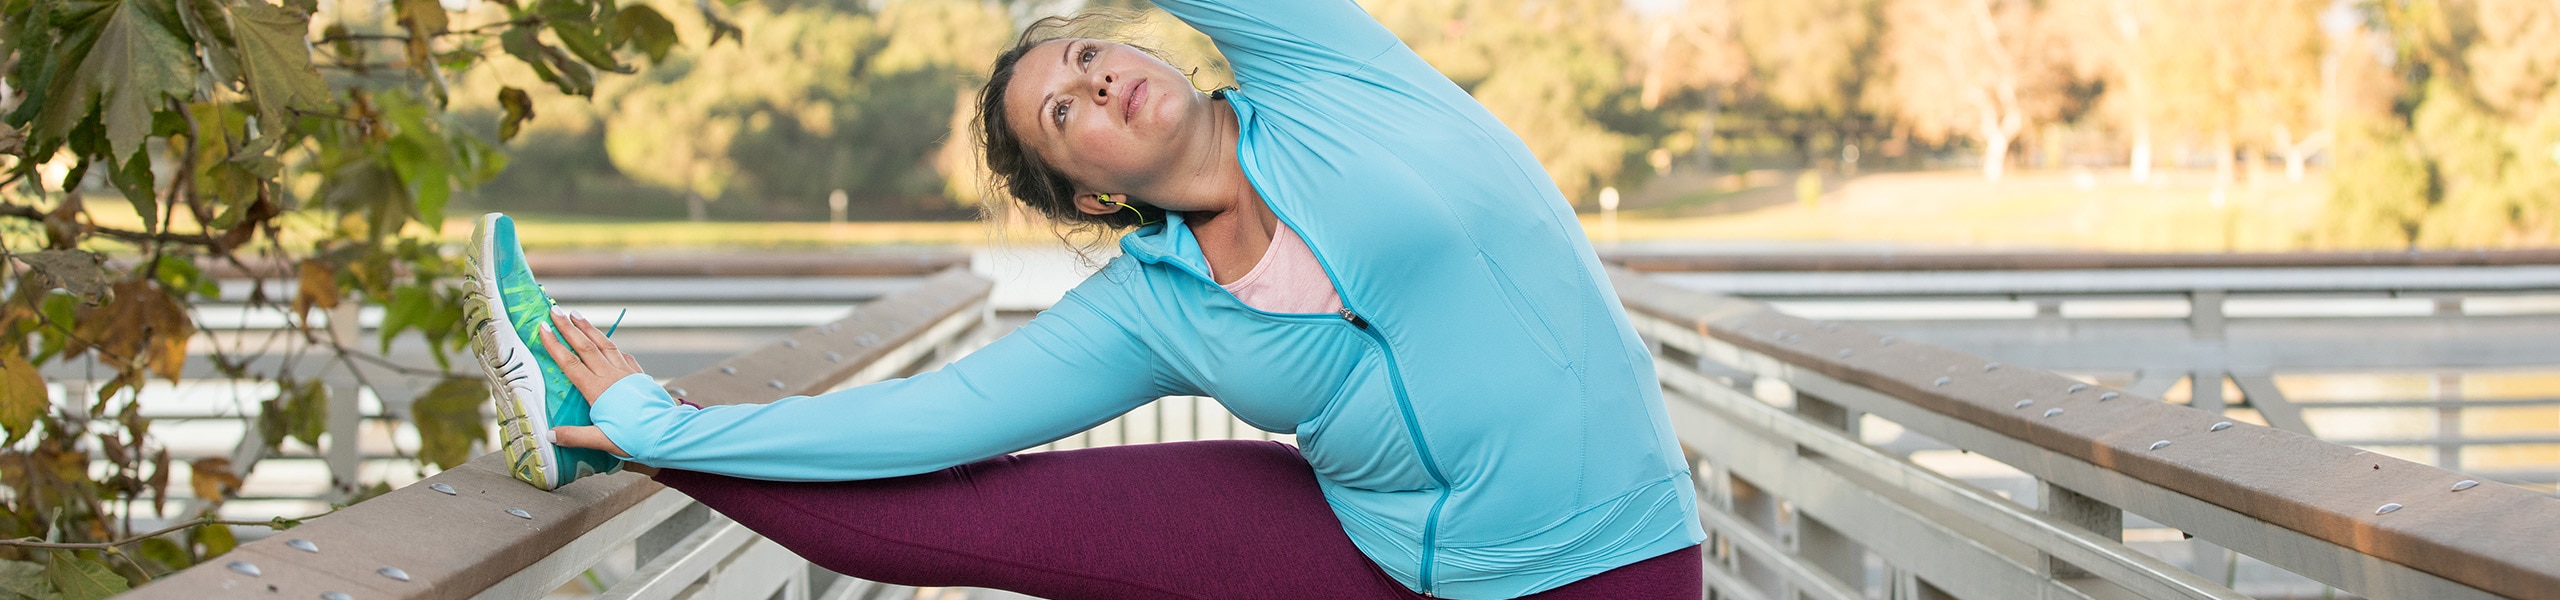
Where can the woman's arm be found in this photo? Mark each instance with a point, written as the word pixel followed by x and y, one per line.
pixel 1068 370
pixel 1281 41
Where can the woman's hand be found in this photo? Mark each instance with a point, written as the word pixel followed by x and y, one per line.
pixel 593 364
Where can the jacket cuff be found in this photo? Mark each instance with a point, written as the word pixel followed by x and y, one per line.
pixel 627 411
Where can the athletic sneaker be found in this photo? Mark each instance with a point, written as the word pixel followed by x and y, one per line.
pixel 506 310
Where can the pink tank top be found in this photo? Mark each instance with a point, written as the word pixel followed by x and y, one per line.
pixel 1288 280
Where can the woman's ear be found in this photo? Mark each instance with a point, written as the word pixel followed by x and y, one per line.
pixel 1098 204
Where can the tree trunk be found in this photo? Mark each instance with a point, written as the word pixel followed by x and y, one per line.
pixel 1995 155
pixel 693 208
pixel 2225 167
pixel 1707 136
pixel 2142 152
pixel 1995 148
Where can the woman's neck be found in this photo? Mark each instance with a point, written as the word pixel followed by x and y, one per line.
pixel 1233 225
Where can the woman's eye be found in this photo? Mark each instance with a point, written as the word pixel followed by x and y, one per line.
pixel 1087 55
pixel 1059 113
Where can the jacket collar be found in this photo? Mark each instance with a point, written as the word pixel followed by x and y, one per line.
pixel 1166 242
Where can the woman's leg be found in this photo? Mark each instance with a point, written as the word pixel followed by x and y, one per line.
pixel 1674 575
pixel 1204 520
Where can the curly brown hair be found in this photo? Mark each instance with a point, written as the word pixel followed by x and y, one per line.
pixel 1020 173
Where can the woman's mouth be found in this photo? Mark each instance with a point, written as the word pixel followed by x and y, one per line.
pixel 1137 98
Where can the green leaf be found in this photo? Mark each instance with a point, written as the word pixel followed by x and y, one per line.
pixel 26 579
pixel 309 412
pixel 82 578
pixel 645 27
pixel 82 273
pixel 408 307
pixel 448 420
pixel 184 275
pixel 135 60
pixel 61 314
pixel 275 48
pixel 22 396
pixel 212 540
pixel 720 25
pixel 524 44
pixel 135 179
pixel 211 27
pixel 165 553
pixel 583 42
pixel 519 108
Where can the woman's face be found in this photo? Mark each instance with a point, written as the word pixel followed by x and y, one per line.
pixel 1112 117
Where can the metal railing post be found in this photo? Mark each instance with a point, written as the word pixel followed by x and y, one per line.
pixel 2087 513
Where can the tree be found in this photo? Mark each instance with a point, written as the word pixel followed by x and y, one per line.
pixel 2469 153
pixel 1815 62
pixel 213 122
pixel 1981 68
pixel 1549 70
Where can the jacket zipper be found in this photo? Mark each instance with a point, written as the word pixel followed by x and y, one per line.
pixel 1413 428
pixel 1404 405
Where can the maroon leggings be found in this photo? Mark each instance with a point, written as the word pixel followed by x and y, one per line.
pixel 1192 520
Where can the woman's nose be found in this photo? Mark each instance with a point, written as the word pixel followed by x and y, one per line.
pixel 1102 89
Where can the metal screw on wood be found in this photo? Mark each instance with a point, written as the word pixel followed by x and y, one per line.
pixel 773 383
pixel 866 340
pixel 1990 367
pixel 336 596
pixel 791 343
pixel 2464 485
pixel 677 392
pixel 2220 426
pixel 2160 444
pixel 520 513
pixel 2075 388
pixel 1844 353
pixel 2023 404
pixel 728 370
pixel 834 357
pixel 393 572
pixel 441 488
pixel 2387 508
pixel 2051 412
pixel 2106 396
pixel 1942 381
pixel 303 545
pixel 244 568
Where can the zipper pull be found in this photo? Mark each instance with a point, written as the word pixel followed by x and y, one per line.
pixel 1355 319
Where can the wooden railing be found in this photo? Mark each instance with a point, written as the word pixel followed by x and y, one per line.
pixel 1797 502
pixel 475 532
pixel 1769 406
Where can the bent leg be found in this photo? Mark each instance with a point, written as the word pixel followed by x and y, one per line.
pixel 1201 520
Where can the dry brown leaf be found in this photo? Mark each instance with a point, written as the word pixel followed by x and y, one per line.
pixel 214 479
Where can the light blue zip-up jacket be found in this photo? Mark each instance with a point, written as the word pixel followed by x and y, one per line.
pixel 1482 417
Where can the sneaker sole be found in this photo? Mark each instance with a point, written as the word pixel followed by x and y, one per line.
pixel 516 380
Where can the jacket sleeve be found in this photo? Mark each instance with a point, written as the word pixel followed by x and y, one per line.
pixel 1070 368
pixel 1279 41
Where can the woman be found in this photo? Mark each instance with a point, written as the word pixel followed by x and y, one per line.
pixel 1348 248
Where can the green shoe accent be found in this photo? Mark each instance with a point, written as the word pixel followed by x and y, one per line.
pixel 506 310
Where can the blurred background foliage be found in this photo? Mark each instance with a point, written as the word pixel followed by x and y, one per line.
pixel 2431 120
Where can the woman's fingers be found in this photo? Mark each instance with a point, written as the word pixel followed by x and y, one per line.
pixel 575 331
pixel 586 436
pixel 560 352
